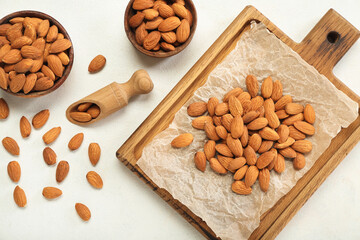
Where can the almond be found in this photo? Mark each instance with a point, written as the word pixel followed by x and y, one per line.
pixel 17 83
pixel 43 28
pixel 25 127
pixel 283 132
pixel 273 119
pixel 221 132
pixel 84 107
pixel 269 134
pixel 169 37
pixel 19 197
pixel 154 24
pixel 257 124
pixel 199 122
pixel 97 64
pixel 244 137
pixel 224 150
pixel 269 105
pixel 261 111
pixel 236 163
pixel 304 127
pixel 302 146
pixel 169 24
pixel 39 43
pixel 293 108
pixel 4 109
pixel 250 116
pixel 49 156
pixel 189 17
pixel 29 52
pixel 14 171
pixel 265 159
pixel 32 21
pixel 221 109
pixel 277 90
pixel 179 10
pixel 200 161
pixel 94 179
pixel 251 176
pixel 83 211
pixel 279 165
pixel 60 46
pixel 52 33
pixel 142 4
pixel 43 84
pixel 296 134
pixel 240 174
pixel 216 166
pixel 40 118
pixel 30 32
pixel 250 155
pixel 240 187
pixel 40 75
pixel 226 121
pixel 150 14
pixel 183 31
pixel 51 135
pixel 62 171
pixel 167 47
pixel 252 85
pixel 23 66
pixel 11 146
pixel 264 179
pixel 256 103
pixel 14 31
pixel 76 141
pixel 151 40
pixel 285 144
pixel 234 145
pixel 141 33
pixel 3 79
pixel 265 146
pixel 94 153
pixel 299 161
pixel 237 127
pixel 267 87
pixel 217 121
pixel 291 120
pixel 288 152
pixel 48 72
pixel 29 82
pixel 235 106
pixel 54 63
pixel 281 103
pixel 309 114
pixel 183 140
pixel 166 11
pixel 158 3
pixel 137 19
pixel 64 58
pixel 255 141
pixel 13 56
pixel 81 116
pixel 210 131
pixel 21 41
pixel 224 161
pixel 51 192
pixel 46 50
pixel 209 149
pixel 16 20
pixel 236 92
pixel 4 28
pixel 4 50
pixel 246 104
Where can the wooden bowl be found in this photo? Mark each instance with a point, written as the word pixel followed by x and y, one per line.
pixel 70 51
pixel 129 12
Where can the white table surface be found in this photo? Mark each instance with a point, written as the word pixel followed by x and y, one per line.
pixel 126 208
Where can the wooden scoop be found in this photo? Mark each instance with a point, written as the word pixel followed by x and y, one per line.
pixel 114 96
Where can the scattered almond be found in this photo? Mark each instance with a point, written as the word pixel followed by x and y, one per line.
pixel 40 118
pixel 49 156
pixel 76 141
pixel 25 127
pixel 83 211
pixel 97 64
pixel 94 153
pixel 51 192
pixel 14 171
pixel 51 135
pixel 240 187
pixel 94 179
pixel 4 108
pixel 200 161
pixel 19 197
pixel 62 171
pixel 11 146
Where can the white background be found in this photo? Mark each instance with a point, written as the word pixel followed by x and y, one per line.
pixel 125 208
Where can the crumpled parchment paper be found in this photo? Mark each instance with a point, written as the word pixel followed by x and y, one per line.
pixel 208 194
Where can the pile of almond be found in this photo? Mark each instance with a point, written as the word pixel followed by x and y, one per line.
pixel 50 158
pixel 250 134
pixel 85 112
pixel 33 54
pixel 161 24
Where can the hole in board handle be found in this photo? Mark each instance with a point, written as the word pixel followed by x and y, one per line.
pixel 333 37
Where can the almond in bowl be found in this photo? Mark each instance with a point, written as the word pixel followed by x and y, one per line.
pixel 36 54
pixel 160 28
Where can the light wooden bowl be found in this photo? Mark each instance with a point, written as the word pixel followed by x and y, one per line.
pixel 129 12
pixel 70 51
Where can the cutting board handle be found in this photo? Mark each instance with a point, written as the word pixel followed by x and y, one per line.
pixel 328 42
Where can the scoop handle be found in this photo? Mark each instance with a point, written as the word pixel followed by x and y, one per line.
pixel 114 96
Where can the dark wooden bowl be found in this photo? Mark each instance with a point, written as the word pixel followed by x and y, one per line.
pixel 129 12
pixel 70 51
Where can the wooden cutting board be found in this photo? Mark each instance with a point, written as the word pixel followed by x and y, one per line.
pixel 322 48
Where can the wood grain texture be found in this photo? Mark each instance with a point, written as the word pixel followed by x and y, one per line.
pixel 69 52
pixel 317 51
